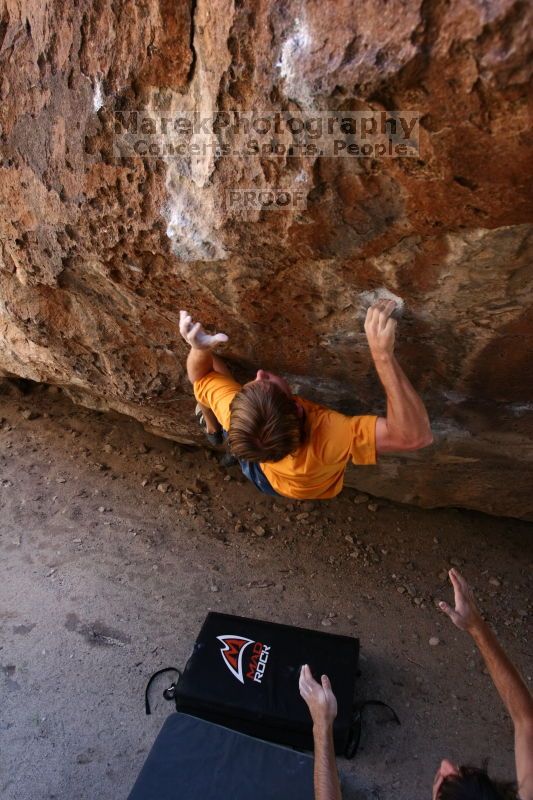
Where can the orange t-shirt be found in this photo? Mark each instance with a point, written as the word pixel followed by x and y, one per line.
pixel 316 470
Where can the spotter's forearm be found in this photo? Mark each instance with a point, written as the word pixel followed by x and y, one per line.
pixel 513 691
pixel 327 786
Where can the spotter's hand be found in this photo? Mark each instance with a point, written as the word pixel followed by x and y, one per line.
pixel 380 328
pixel 465 615
pixel 196 337
pixel 319 697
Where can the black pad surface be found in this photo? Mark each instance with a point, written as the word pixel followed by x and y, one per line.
pixel 193 759
pixel 243 673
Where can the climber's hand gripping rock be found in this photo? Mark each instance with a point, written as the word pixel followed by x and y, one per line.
pixel 196 337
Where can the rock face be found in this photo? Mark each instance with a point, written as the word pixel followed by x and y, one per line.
pixel 99 249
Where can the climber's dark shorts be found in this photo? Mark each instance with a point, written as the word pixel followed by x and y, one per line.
pixel 255 474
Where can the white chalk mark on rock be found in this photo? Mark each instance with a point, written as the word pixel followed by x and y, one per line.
pixel 190 241
pixel 297 41
pixel 518 409
pixel 294 46
pixel 372 296
pixel 98 95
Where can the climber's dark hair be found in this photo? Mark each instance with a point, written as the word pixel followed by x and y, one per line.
pixel 264 423
pixel 474 784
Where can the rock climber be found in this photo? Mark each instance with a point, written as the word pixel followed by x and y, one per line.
pixel 290 446
pixel 451 782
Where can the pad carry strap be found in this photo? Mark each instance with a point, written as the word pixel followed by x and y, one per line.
pixel 168 694
pixel 355 732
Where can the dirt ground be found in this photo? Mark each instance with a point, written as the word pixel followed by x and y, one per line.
pixel 115 544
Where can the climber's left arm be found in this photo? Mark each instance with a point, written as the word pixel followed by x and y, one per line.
pixel 200 360
pixel 406 426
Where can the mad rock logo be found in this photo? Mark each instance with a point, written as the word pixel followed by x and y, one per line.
pixel 233 651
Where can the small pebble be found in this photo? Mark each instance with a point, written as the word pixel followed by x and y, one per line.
pixel 434 641
pixel 29 414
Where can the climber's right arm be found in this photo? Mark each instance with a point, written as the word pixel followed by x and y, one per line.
pixel 200 358
pixel 406 426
